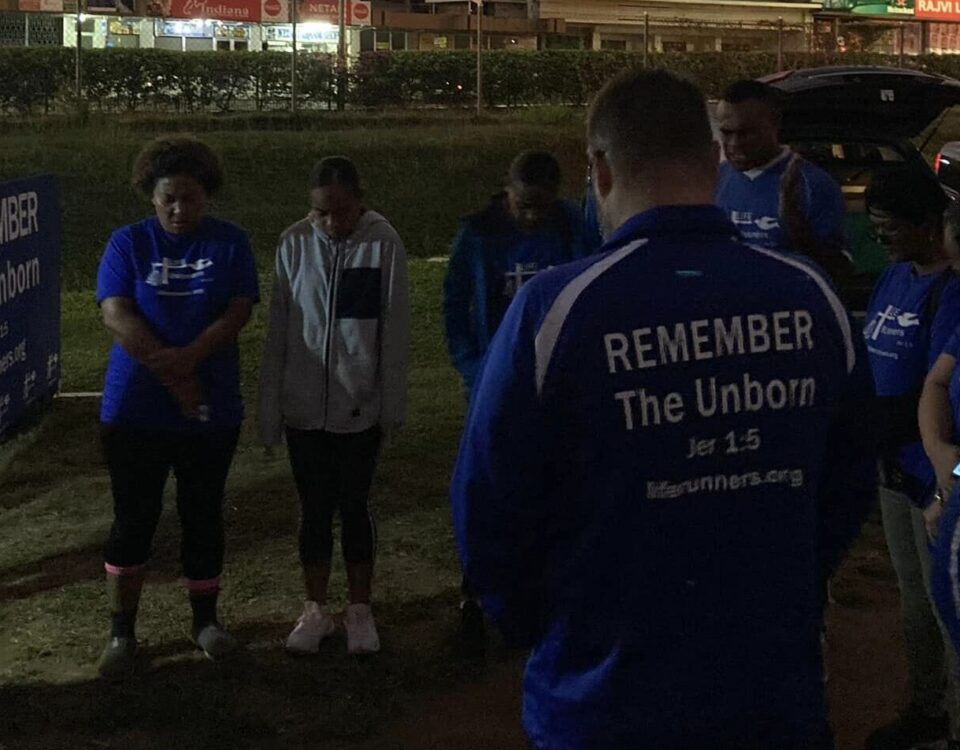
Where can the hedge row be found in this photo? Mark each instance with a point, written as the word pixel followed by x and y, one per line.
pixel 33 80
pixel 125 79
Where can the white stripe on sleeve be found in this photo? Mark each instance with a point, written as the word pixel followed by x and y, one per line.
pixel 549 332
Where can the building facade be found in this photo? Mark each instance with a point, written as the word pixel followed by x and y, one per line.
pixel 686 25
pixel 891 26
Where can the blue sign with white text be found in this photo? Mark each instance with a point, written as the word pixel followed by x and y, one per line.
pixel 29 298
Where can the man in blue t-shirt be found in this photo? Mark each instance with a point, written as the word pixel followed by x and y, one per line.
pixel 776 199
pixel 664 457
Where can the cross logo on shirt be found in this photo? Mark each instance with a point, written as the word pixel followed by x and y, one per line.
pixel 885 316
pixel 520 275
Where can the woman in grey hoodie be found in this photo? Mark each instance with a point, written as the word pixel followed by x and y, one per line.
pixel 333 379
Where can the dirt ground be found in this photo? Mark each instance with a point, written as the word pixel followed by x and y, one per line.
pixel 864 658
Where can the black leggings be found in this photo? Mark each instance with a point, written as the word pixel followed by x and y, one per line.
pixel 139 462
pixel 334 471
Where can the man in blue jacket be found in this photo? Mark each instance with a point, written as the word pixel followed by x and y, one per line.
pixel 522 231
pixel 664 456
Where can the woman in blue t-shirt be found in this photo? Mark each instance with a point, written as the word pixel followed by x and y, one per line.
pixel 914 309
pixel 939 415
pixel 174 290
pixel 941 398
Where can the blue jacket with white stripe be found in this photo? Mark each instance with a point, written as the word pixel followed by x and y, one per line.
pixel 664 458
pixel 490 260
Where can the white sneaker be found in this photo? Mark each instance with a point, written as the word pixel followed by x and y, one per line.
pixel 362 635
pixel 312 627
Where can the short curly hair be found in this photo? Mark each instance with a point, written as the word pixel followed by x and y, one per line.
pixel 169 155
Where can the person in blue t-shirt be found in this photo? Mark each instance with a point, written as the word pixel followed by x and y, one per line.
pixel 941 393
pixel 664 457
pixel 524 230
pixel 939 412
pixel 939 415
pixel 174 290
pixel 776 199
pixel 914 309
pixel 945 562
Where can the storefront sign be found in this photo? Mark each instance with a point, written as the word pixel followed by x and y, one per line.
pixel 112 7
pixel 943 10
pixel 123 27
pixel 222 10
pixel 309 33
pixel 225 30
pixel 274 11
pixel 357 12
pixel 872 7
pixel 29 298
pixel 193 28
pixel 41 6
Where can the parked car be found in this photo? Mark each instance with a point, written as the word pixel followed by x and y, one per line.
pixel 947 164
pixel 852 120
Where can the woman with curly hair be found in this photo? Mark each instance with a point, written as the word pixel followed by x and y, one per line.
pixel 174 290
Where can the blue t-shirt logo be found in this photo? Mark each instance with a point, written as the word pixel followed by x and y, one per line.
pixel 757 229
pixel 891 314
pixel 519 275
pixel 176 270
pixel 752 201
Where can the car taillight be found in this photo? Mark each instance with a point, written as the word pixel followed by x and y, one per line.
pixel 936 163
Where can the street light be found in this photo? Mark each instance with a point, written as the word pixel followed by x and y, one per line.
pixel 78 72
pixel 294 13
pixel 479 53
pixel 342 55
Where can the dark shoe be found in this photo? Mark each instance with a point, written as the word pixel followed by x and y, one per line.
pixel 911 728
pixel 118 658
pixel 215 642
pixel 472 638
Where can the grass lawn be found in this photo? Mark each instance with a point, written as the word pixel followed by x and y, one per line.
pixel 55 510
pixel 54 492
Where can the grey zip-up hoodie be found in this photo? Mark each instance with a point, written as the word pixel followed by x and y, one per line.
pixel 335 357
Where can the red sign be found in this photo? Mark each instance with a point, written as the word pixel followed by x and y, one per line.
pixel 50 6
pixel 944 10
pixel 221 10
pixel 315 10
pixel 357 12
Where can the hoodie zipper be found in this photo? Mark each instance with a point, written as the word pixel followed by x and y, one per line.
pixel 331 320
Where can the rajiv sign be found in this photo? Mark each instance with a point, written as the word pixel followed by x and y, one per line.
pixel 943 10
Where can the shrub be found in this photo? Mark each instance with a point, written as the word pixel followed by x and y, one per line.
pixel 34 80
